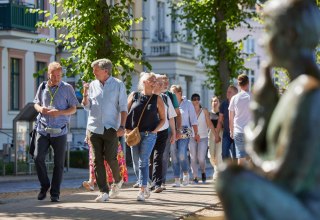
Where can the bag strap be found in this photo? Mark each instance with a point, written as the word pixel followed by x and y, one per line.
pixel 199 113
pixel 143 110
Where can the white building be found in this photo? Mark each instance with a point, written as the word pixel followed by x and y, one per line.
pixel 19 60
pixel 252 47
pixel 169 54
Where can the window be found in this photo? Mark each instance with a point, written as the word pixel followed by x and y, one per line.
pixel 250 74
pixel 188 33
pixel 250 45
pixel 205 97
pixel 174 28
pixel 131 15
pixel 15 84
pixel 40 78
pixel 40 5
pixel 160 21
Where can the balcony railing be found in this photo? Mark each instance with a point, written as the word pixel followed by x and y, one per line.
pixel 172 49
pixel 14 16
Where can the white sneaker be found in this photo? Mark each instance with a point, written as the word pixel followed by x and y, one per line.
pixel 103 197
pixel 176 182
pixel 215 176
pixel 146 193
pixel 120 184
pixel 115 189
pixel 140 196
pixel 185 180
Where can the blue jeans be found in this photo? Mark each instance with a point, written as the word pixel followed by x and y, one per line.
pixel 239 144
pixel 143 151
pixel 228 150
pixel 179 157
pixel 135 162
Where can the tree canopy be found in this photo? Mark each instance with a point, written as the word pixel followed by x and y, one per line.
pixel 211 20
pixel 93 29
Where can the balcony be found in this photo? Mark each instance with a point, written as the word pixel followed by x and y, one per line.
pixel 14 17
pixel 172 49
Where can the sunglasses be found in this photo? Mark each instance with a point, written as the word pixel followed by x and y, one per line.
pixel 196 99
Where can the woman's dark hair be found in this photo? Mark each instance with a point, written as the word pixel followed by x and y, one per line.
pixel 195 95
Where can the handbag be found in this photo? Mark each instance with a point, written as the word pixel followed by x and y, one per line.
pixel 32 145
pixel 133 137
pixel 186 132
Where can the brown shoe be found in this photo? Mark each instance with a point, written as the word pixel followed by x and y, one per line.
pixel 88 186
pixel 158 189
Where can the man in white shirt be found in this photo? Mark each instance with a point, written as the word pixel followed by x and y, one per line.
pixel 239 116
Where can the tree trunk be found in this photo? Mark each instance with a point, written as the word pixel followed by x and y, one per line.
pixel 224 72
pixel 104 28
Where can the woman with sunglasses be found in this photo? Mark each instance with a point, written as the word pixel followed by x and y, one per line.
pixel 198 149
pixel 151 107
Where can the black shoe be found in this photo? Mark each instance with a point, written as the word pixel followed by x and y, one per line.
pixel 152 188
pixel 195 180
pixel 55 199
pixel 204 177
pixel 42 194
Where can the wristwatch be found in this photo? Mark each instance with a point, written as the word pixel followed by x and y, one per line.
pixel 122 127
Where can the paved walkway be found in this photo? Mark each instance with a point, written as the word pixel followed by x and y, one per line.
pixel 170 204
pixel 79 204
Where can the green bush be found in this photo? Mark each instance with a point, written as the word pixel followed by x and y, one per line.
pixel 9 167
pixel 79 159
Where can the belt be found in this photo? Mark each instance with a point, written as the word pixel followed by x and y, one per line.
pixel 146 133
pixel 45 126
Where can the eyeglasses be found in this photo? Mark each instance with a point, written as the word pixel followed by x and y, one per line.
pixel 152 80
pixel 195 99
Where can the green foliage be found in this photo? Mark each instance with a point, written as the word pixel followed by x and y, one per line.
pixel 9 168
pixel 211 20
pixel 79 159
pixel 90 30
pixel 281 78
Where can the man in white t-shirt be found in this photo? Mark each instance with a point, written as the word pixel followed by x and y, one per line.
pixel 239 116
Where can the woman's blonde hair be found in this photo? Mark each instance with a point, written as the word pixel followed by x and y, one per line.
pixel 178 88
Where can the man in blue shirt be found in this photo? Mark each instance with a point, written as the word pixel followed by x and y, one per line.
pixel 223 122
pixel 55 101
pixel 105 99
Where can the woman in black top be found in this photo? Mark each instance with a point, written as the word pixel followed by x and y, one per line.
pixel 152 120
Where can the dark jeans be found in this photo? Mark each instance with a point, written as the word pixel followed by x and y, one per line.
pixel 228 149
pixel 165 159
pixel 105 147
pixel 42 145
pixel 155 167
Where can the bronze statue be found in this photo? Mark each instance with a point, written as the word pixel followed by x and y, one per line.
pixel 283 138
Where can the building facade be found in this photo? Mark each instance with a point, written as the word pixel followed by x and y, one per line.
pixel 20 58
pixel 170 53
pixel 160 37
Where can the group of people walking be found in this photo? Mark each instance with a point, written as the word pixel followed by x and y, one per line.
pixel 169 124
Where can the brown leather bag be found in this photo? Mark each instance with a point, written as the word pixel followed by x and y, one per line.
pixel 133 137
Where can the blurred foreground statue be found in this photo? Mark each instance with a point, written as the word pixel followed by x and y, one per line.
pixel 283 139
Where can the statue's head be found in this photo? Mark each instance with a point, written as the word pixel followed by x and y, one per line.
pixel 292 28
